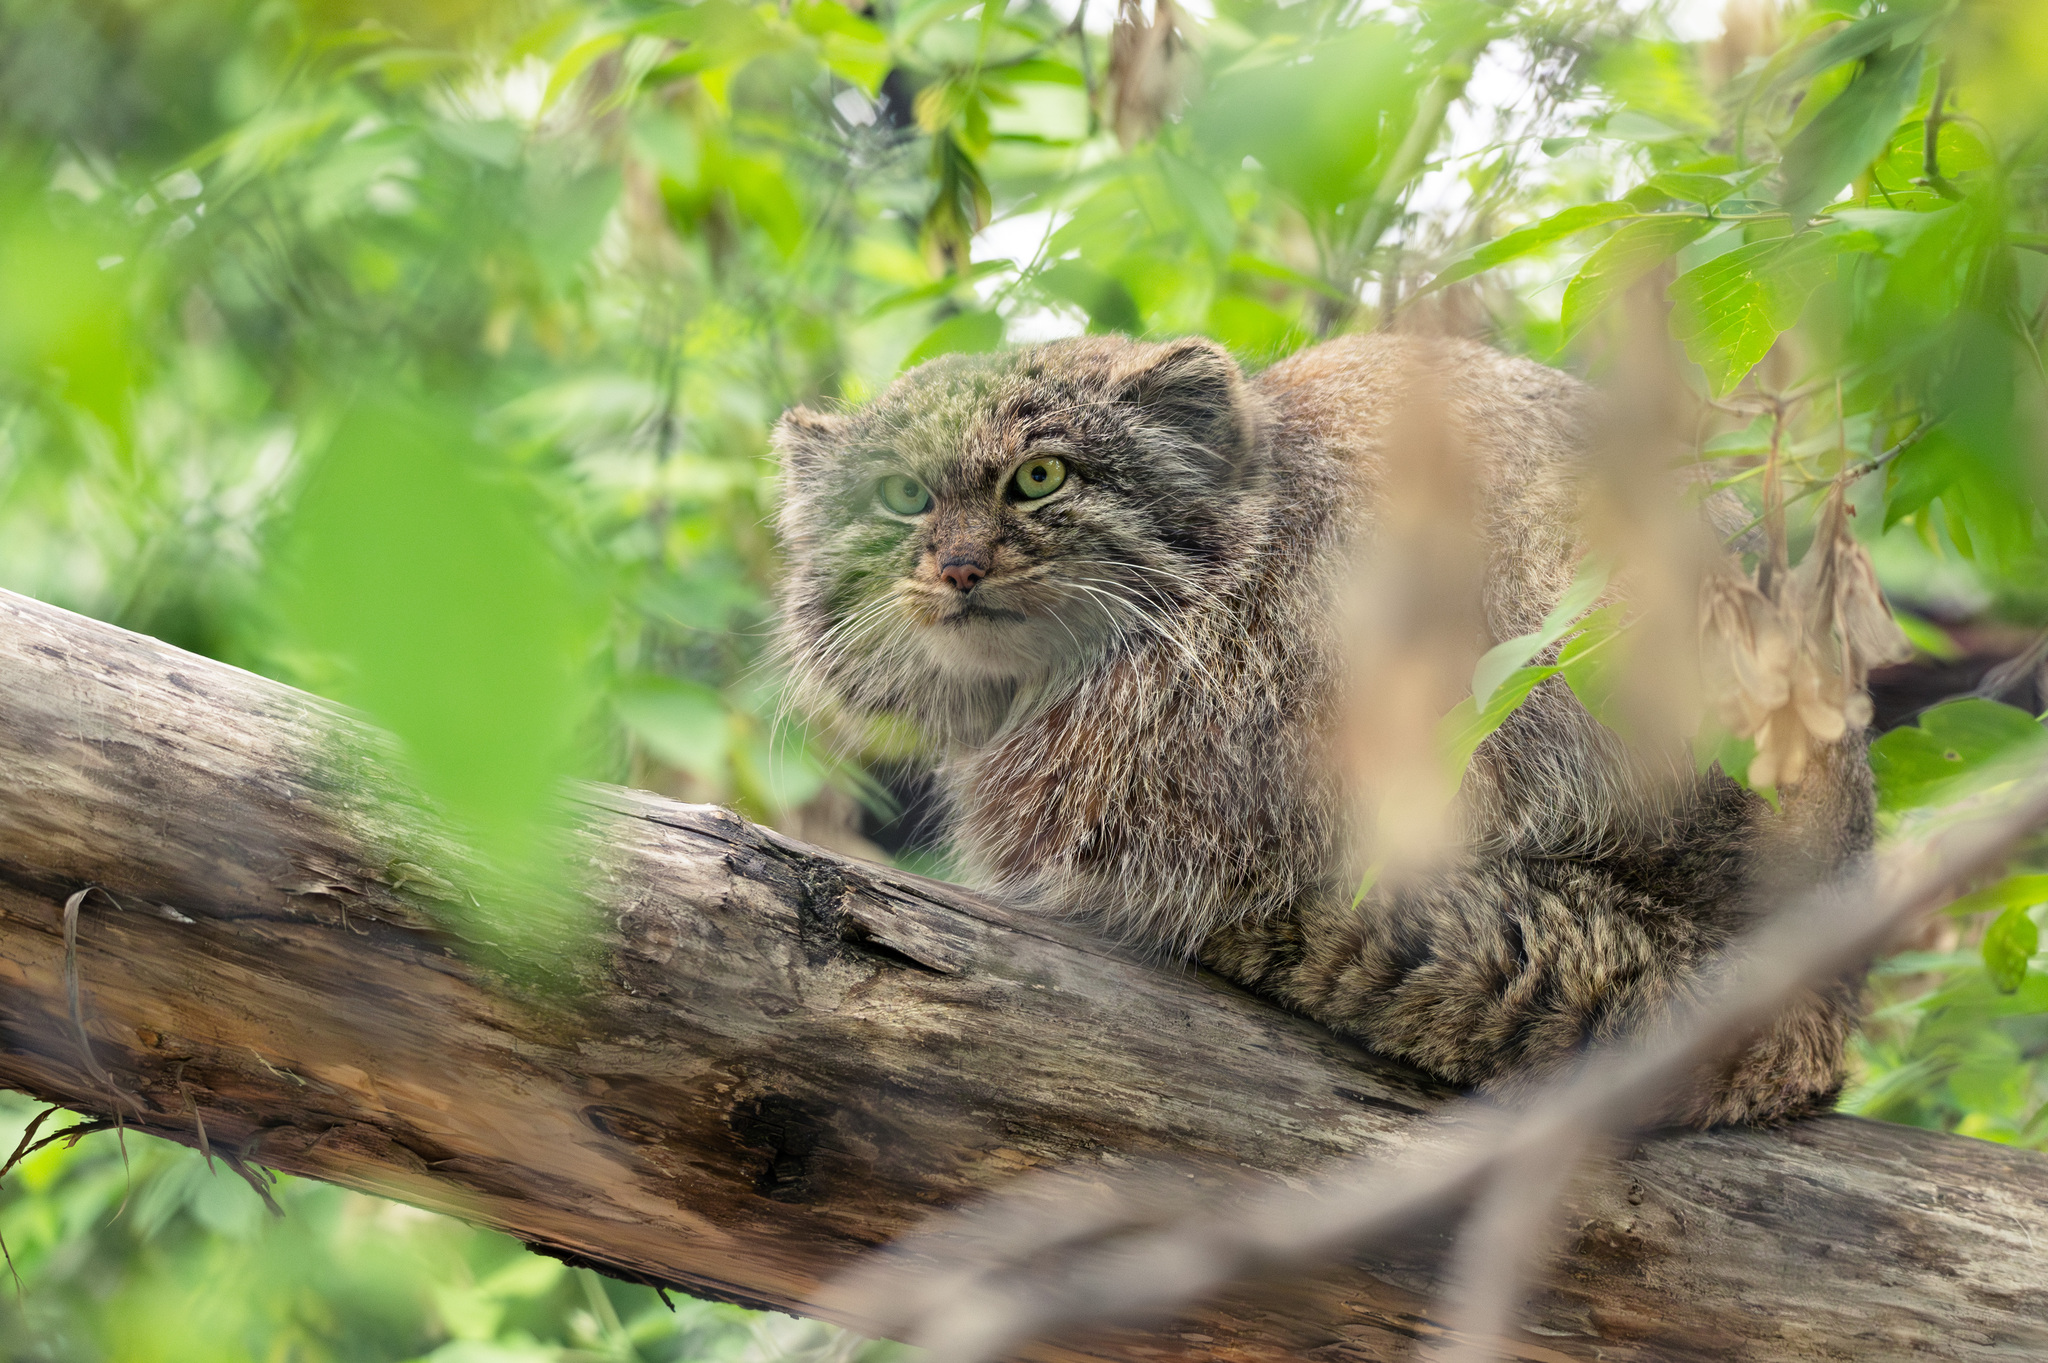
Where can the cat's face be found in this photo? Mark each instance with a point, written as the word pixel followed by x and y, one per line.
pixel 994 522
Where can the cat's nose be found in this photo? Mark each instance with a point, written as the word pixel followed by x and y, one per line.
pixel 961 573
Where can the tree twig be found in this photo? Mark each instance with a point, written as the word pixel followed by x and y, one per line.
pixel 1443 90
pixel 1876 462
pixel 2010 673
pixel 1498 1251
pixel 1930 152
pixel 74 994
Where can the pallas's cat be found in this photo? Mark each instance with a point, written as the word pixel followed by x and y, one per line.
pixel 1100 579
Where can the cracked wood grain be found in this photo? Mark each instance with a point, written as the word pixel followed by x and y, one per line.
pixel 774 1058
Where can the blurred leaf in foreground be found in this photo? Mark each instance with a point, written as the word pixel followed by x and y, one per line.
pixel 448 616
pixel 1847 135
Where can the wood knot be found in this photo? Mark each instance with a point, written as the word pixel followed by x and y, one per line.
pixel 1618 1244
pixel 624 1125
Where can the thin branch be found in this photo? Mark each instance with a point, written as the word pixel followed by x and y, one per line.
pixel 1761 401
pixel 1930 152
pixel 1496 1255
pixel 1443 90
pixel 1845 477
pixel 1776 563
pixel 1080 31
pixel 2010 673
pixel 1876 462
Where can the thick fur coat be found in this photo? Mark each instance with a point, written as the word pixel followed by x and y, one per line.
pixel 1130 683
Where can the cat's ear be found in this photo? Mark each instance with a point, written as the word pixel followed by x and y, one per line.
pixel 804 439
pixel 1194 388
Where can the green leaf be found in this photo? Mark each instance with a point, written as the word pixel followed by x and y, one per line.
pixel 1921 474
pixel 760 189
pixel 1851 132
pixel 1524 240
pixel 64 323
pixel 1583 661
pixel 1631 125
pixel 1980 456
pixel 1102 296
pixel 1647 198
pixel 495 142
pixel 932 289
pixel 1321 127
pixel 579 59
pixel 1699 189
pixel 1253 328
pixel 857 62
pixel 1200 201
pixel 1731 310
pixel 684 723
pixel 2008 946
pixel 1656 84
pixel 1927 636
pixel 1627 256
pixel 1471 723
pixel 1038 70
pixel 1953 746
pixel 1503 658
pixel 1460 732
pixel 961 204
pixel 818 17
pixel 1243 262
pixel 966 331
pixel 781 769
pixel 1716 746
pixel 453 617
pixel 565 218
pixel 1859 39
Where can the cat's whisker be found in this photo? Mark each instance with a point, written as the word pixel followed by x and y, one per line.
pixel 839 643
pixel 1161 629
pixel 840 640
pixel 1106 603
pixel 1200 592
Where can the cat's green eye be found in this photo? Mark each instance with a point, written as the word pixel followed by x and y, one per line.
pixel 904 495
pixel 1039 477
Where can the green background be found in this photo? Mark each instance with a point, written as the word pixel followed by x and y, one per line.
pixel 424 355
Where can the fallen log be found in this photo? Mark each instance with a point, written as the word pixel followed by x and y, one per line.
pixel 776 1058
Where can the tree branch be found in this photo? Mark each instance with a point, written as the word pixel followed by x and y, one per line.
pixel 1043 1265
pixel 773 1059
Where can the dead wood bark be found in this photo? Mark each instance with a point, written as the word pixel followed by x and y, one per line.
pixel 779 1058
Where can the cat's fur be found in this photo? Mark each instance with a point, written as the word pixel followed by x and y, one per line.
pixel 1131 712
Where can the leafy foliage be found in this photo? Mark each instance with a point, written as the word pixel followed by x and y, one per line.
pixel 425 355
pixel 1961 1031
pixel 154 1258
